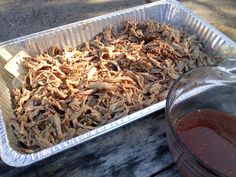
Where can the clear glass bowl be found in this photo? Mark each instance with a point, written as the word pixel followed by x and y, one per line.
pixel 204 87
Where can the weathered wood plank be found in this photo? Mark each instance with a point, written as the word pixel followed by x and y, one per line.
pixel 171 171
pixel 137 149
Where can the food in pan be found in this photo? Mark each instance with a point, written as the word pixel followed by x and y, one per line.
pixel 69 91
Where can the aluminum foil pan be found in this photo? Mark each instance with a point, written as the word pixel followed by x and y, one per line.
pixel 165 11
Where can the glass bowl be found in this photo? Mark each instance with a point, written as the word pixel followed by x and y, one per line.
pixel 207 87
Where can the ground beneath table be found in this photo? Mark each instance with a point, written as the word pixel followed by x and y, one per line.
pixel 21 17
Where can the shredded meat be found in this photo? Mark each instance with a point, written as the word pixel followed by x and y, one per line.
pixel 68 92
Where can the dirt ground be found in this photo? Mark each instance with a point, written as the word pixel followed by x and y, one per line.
pixel 21 17
pixel 220 13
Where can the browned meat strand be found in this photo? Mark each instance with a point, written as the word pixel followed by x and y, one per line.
pixel 68 92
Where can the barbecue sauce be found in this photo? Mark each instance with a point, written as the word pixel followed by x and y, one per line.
pixel 211 136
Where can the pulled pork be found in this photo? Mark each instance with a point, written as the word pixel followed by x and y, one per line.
pixel 71 91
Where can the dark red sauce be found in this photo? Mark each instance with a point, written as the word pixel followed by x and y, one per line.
pixel 211 136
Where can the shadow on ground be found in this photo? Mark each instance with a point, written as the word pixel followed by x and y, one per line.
pixel 23 17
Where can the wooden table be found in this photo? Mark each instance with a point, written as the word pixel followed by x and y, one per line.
pixel 137 149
